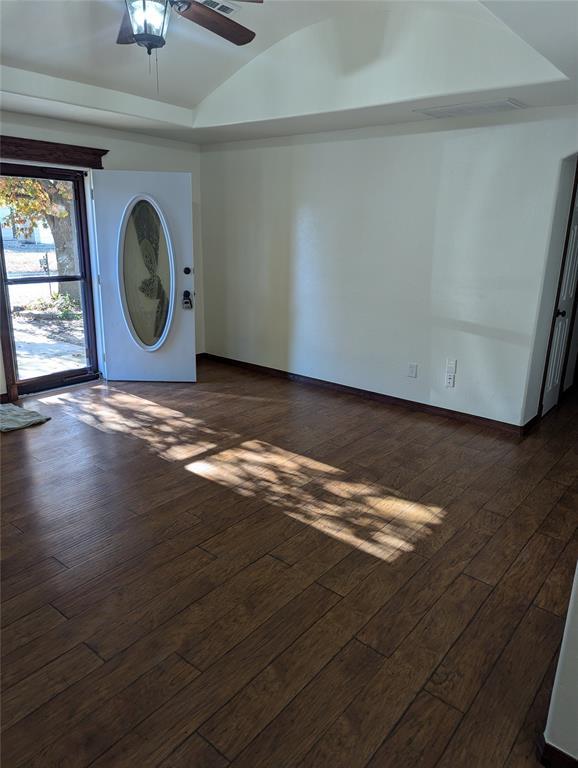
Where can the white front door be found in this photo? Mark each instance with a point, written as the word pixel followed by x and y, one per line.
pixel 562 321
pixel 143 225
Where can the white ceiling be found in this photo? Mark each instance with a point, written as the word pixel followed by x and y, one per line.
pixel 60 60
pixel 549 26
pixel 75 40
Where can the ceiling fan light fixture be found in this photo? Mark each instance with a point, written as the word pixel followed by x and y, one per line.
pixel 149 20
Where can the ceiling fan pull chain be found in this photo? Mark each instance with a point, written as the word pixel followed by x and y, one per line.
pixel 157 66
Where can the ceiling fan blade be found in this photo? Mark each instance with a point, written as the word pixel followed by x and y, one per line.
pixel 125 36
pixel 215 22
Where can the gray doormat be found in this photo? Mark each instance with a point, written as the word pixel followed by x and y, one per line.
pixel 13 417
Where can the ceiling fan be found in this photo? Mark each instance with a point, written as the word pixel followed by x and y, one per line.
pixel 145 22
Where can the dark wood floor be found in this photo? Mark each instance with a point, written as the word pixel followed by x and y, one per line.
pixel 257 573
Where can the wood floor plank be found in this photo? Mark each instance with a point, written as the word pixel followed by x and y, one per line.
pixel 65 711
pixel 158 735
pixel 498 554
pixel 522 484
pixel 562 521
pixel 453 517
pixel 30 627
pixel 253 708
pixel 230 548
pixel 8 532
pixel 100 573
pixel 349 572
pixel 296 547
pixel 555 593
pixel 492 481
pixel 485 521
pixel 420 737
pixel 463 670
pixel 487 732
pixel 399 616
pixel 127 586
pixel 206 647
pixel 524 752
pixel 135 535
pixel 565 471
pixel 36 689
pixel 240 534
pixel 198 601
pixel 25 500
pixel 30 657
pixel 288 738
pixel 23 581
pixel 117 716
pixel 355 736
pixel 194 751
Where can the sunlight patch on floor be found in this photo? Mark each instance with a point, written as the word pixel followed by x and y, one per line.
pixel 346 504
pixel 169 433
pixel 364 515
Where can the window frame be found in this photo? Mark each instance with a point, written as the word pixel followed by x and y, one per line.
pixel 89 372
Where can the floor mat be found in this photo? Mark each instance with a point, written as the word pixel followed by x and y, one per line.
pixel 13 417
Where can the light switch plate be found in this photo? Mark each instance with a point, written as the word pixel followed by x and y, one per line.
pixel 412 370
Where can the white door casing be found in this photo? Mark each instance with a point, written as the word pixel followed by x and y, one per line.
pixel 560 338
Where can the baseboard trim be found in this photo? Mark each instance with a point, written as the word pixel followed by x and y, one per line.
pixel 376 396
pixel 530 425
pixel 552 757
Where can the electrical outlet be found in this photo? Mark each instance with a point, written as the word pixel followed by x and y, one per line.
pixel 412 370
pixel 451 368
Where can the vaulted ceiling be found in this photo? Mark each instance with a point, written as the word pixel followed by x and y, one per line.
pixel 315 65
pixel 75 40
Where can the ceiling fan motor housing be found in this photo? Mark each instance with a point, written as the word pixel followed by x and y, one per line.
pixel 180 5
pixel 149 20
pixel 145 22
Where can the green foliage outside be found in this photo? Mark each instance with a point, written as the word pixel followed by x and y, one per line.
pixel 48 202
pixel 61 306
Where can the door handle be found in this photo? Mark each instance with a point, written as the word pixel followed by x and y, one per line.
pixel 560 313
pixel 187 300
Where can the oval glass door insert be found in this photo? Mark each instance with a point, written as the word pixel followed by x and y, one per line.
pixel 146 275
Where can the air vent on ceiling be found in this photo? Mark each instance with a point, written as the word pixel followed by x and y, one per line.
pixel 227 9
pixel 472 108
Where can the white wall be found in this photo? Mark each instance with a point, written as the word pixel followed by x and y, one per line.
pixel 560 729
pixel 127 151
pixel 347 256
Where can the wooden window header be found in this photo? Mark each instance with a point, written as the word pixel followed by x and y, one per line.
pixel 14 148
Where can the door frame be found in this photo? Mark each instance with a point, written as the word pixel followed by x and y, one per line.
pixel 62 378
pixel 555 308
pixel 8 354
